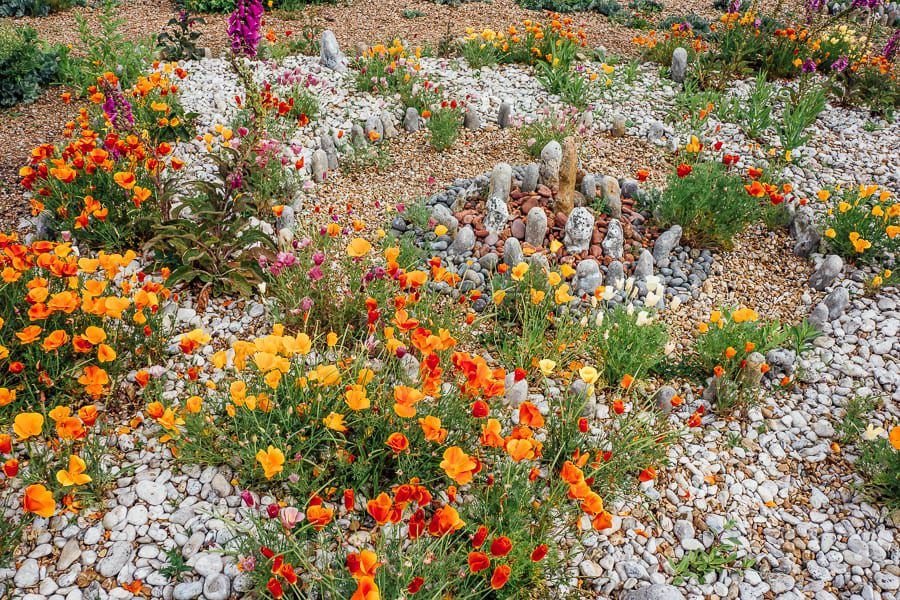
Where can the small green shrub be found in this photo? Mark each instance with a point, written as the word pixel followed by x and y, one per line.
pixel 443 127
pixel 879 462
pixel 179 40
pixel 25 65
pixel 554 125
pixel 710 203
pixel 627 344
pixel 34 8
pixel 753 114
pixel 604 7
pixel 861 223
pixel 800 113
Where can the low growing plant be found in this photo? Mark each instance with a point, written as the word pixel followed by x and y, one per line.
pixel 26 65
pixel 862 224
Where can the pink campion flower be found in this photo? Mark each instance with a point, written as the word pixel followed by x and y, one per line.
pixel 247 497
pixel 272 510
pixel 315 273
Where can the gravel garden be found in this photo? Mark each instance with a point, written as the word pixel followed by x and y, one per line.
pixel 473 300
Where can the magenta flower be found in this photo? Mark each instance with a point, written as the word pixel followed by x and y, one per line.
pixel 243 27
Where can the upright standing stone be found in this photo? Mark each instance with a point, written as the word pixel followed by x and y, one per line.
pixel 614 242
pixel 374 130
pixel 530 179
pixel 358 136
pixel 827 272
pixel 471 120
pixel 804 231
pixel 463 242
pixel 330 54
pixel 388 125
pixel 615 275
pixel 319 165
pixel 565 198
pixel 579 230
pixel 665 243
pixel 644 267
pixel 551 158
pixel 535 227
pixel 618 126
pixel 612 196
pixel 678 69
pixel 498 193
pixel 589 187
pixel 512 252
pixel 326 143
pixel 504 115
pixel 411 120
pixel 587 277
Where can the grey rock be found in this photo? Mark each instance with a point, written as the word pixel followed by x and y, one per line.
pixel 28 574
pixel 752 374
pixel 588 187
pixel 587 277
pixel 330 55
pixel 631 188
pixel 216 587
pixel 579 230
pixel 464 241
pixel 678 69
pixel 115 560
pixel 68 555
pixel 188 590
pixel 666 243
pixel 612 196
pixel 497 212
pixel 657 591
pixel 535 227
pixel 781 361
pixel 512 252
pixel 530 179
pixel 827 272
pixel 819 315
pixel 655 133
pixel 151 492
pixel 504 115
pixel 318 164
pixel 551 158
pixel 358 137
pixel 804 231
pixel 374 126
pixel 326 143
pixel 663 398
pixel 644 267
pixel 615 275
pixel 516 391
pixel 411 120
pixel 388 125
pixel 836 302
pixel 618 126
pixel 471 120
pixel 614 242
pixel 444 216
pixel 489 261
pixel 208 563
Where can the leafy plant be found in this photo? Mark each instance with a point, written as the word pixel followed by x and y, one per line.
pixel 34 8
pixel 179 42
pixel 861 223
pixel 723 555
pixel 855 418
pixel 627 343
pixel 209 238
pixel 753 116
pixel 411 13
pixel 554 125
pixel 710 203
pixel 176 565
pixel 879 462
pixel 799 114
pixel 26 65
pixel 443 127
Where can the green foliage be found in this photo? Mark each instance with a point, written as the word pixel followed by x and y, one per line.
pixel 175 566
pixel 226 6
pixel 26 65
pixel 179 41
pixel 209 239
pixel 800 113
pixel 861 224
pixel 554 125
pixel 855 419
pixel 803 334
pixel 604 7
pixel 34 8
pixel 879 462
pixel 443 127
pixel 734 329
pixel 624 344
pixel 411 14
pixel 574 86
pixel 102 48
pixel 363 157
pixel 304 40
pixel 725 554
pixel 710 203
pixel 868 85
pixel 753 114
pixel 478 52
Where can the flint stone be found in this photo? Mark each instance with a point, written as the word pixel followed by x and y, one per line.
pixel 497 211
pixel 589 187
pixel 644 267
pixel 615 275
pixel 579 230
pixel 504 115
pixel 614 242
pixel 535 227
pixel 803 230
pixel 679 65
pixel 471 120
pixel 443 216
pixel 551 159
pixel 612 196
pixel 663 398
pixel 388 125
pixel 827 272
pixel 836 302
pixel 565 198
pixel 512 252
pixel 373 125
pixel 464 241
pixel 319 165
pixel 411 120
pixel 326 143
pixel 666 242
pixel 530 179
pixel 330 54
pixel 618 126
pixel 657 591
pixel 587 277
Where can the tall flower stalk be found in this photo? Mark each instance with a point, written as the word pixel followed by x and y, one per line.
pixel 244 25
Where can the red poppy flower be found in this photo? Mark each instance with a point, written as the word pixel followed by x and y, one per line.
pixel 500 577
pixel 684 170
pixel 478 561
pixel 539 553
pixel 480 536
pixel 415 585
pixel 501 546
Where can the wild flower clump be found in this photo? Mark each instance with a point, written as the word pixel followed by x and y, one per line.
pixel 531 42
pixel 103 185
pixel 659 48
pixel 406 436
pixel 879 462
pixel 68 322
pixel 862 224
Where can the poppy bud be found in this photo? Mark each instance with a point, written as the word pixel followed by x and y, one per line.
pixel 247 497
pixel 272 510
pixel 582 425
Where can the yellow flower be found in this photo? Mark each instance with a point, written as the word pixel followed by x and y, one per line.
pixel 823 195
pixel 537 296
pixel 844 207
pixel 335 421
pixel 546 366
pixel 554 278
pixel 589 375
pixel 74 475
pixel 331 339
pixel 744 314
pixel 830 233
pixel 567 271
pixel 358 247
pixel 518 271
pixel 498 297
pixel 562 294
pixel 272 461
pixel 440 230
